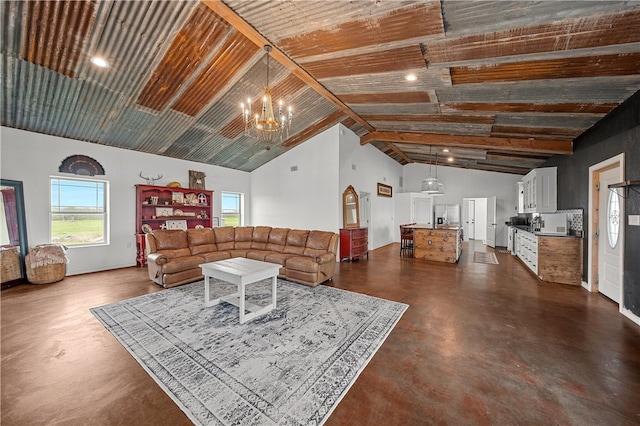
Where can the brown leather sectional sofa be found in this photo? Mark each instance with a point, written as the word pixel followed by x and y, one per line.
pixel 307 257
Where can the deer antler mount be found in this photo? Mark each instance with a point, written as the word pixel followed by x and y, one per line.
pixel 151 180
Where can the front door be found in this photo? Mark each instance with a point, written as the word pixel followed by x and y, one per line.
pixel 491 221
pixel 611 227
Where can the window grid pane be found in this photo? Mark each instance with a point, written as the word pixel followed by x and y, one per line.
pixel 231 210
pixel 78 212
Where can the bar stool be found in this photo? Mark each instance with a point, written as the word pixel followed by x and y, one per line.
pixel 406 238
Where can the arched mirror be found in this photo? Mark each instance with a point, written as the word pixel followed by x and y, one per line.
pixel 350 208
pixel 13 232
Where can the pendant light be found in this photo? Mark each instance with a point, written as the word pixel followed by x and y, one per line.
pixel 431 185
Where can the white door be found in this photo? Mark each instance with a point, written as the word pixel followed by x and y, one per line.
pixel 472 219
pixel 422 210
pixel 491 222
pixel 610 234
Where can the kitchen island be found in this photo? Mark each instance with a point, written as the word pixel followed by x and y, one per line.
pixel 443 244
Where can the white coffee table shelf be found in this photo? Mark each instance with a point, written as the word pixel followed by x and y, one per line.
pixel 241 271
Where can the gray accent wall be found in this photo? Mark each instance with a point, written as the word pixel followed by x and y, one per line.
pixel 618 132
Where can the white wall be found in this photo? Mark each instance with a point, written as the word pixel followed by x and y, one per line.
pixel 302 199
pixel 464 183
pixel 371 166
pixel 309 198
pixel 32 158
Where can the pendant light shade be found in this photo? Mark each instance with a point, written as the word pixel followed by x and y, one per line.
pixel 431 185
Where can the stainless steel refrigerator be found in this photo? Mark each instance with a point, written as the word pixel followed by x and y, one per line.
pixel 447 214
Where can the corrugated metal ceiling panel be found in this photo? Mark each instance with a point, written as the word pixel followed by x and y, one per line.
pixel 546 70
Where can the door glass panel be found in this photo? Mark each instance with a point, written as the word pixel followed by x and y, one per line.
pixel 613 218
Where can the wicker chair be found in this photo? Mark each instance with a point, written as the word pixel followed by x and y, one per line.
pixel 46 263
pixel 10 261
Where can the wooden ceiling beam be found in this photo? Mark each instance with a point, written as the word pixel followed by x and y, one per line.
pixel 317 128
pixel 226 13
pixel 548 146
pixel 431 118
pixel 398 152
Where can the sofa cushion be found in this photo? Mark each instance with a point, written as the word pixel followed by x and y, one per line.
pixel 243 237
pixel 296 241
pixel 319 240
pixel 280 258
pixel 260 237
pixel 214 256
pixel 201 240
pixel 317 243
pixel 277 239
pixel 225 238
pixel 238 253
pixel 257 254
pixel 170 239
pixel 302 264
pixel 183 263
pixel 171 254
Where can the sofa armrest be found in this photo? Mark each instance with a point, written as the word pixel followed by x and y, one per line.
pixel 325 258
pixel 157 258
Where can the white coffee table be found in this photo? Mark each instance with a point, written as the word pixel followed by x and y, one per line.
pixel 241 271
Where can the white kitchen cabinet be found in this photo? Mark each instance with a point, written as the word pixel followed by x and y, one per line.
pixel 511 234
pixel 527 249
pixel 412 207
pixel 540 190
pixel 520 197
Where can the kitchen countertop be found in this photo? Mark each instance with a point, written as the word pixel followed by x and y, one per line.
pixel 540 234
pixel 430 227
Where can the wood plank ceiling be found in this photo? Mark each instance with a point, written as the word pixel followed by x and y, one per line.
pixel 501 86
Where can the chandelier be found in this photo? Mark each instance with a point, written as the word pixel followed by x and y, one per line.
pixel 266 127
pixel 431 185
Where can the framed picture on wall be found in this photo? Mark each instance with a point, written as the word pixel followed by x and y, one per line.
pixel 385 190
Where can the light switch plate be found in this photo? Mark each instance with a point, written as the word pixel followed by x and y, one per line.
pixel 634 220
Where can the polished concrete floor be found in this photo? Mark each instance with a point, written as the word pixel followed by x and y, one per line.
pixel 479 344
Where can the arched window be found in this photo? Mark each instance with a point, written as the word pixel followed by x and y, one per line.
pixel 613 218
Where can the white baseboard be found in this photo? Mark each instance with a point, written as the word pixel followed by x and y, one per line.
pixel 633 317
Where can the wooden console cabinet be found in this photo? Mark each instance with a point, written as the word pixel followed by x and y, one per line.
pixel 354 243
pixel 164 207
pixel 560 260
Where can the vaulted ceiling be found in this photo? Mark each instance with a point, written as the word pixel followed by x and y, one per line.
pixel 501 85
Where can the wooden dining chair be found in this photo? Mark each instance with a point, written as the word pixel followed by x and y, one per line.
pixel 406 238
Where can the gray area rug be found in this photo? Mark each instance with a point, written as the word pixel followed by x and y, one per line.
pixel 291 366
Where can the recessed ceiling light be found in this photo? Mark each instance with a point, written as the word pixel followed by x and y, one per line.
pixel 445 150
pixel 99 62
pixel 450 159
pixel 411 77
